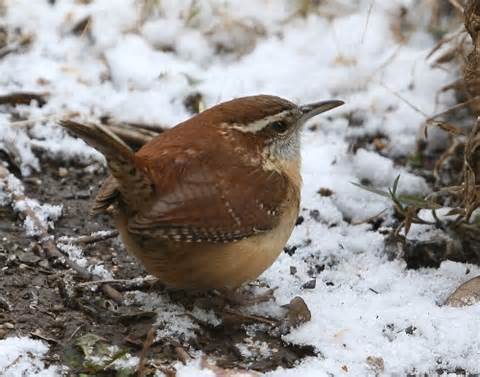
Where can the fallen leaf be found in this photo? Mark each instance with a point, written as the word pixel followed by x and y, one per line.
pixel 297 314
pixel 466 294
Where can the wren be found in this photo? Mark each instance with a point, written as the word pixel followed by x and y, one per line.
pixel 211 202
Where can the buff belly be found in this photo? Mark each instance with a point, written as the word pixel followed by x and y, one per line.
pixel 209 265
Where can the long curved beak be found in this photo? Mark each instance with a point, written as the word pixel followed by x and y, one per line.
pixel 312 109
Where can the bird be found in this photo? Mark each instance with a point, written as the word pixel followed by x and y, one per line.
pixel 211 202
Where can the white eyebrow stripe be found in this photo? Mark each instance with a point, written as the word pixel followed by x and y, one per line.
pixel 260 124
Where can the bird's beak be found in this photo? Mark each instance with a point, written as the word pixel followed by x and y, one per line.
pixel 313 109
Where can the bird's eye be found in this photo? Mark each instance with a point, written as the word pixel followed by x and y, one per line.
pixel 279 127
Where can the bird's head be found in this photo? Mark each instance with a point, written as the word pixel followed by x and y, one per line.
pixel 271 123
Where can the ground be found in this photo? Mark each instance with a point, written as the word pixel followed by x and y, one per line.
pixel 352 295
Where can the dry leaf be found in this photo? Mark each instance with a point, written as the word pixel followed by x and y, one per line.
pixel 297 314
pixel 467 294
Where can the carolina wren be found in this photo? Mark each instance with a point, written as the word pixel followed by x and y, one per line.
pixel 211 202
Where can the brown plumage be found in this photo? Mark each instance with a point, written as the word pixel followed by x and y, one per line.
pixel 211 202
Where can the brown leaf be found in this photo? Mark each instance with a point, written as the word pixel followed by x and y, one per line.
pixel 297 314
pixel 409 216
pixel 466 294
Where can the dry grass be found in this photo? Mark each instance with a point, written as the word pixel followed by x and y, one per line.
pixel 456 171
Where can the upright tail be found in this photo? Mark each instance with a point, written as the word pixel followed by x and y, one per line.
pixel 133 183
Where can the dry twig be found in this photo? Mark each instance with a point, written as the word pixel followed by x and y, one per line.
pixel 23 98
pixel 92 238
pixel 125 284
pixel 146 347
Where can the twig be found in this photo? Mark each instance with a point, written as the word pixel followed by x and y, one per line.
pixel 4 51
pixel 28 122
pixel 39 335
pixel 75 331
pixel 368 219
pixel 23 98
pixel 92 238
pixel 112 293
pixel 471 196
pixel 444 156
pixel 251 317
pixel 369 13
pixel 431 120
pixel 453 108
pixel 125 283
pixel 14 362
pixel 459 83
pixel 53 251
pixel 446 39
pixel 385 63
pixel 23 41
pixel 457 5
pixel 407 102
pixel 146 347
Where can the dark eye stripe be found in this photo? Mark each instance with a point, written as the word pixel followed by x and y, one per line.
pixel 279 127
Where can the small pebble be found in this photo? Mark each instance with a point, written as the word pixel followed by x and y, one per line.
pixel 43 263
pixel 62 172
pixel 311 284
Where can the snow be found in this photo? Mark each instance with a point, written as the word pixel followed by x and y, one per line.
pixel 45 213
pixel 171 318
pixel 76 254
pixel 23 356
pixel 193 369
pixel 137 64
pixel 253 349
pixel 9 186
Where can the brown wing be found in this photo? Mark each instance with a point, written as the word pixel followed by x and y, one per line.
pixel 200 200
